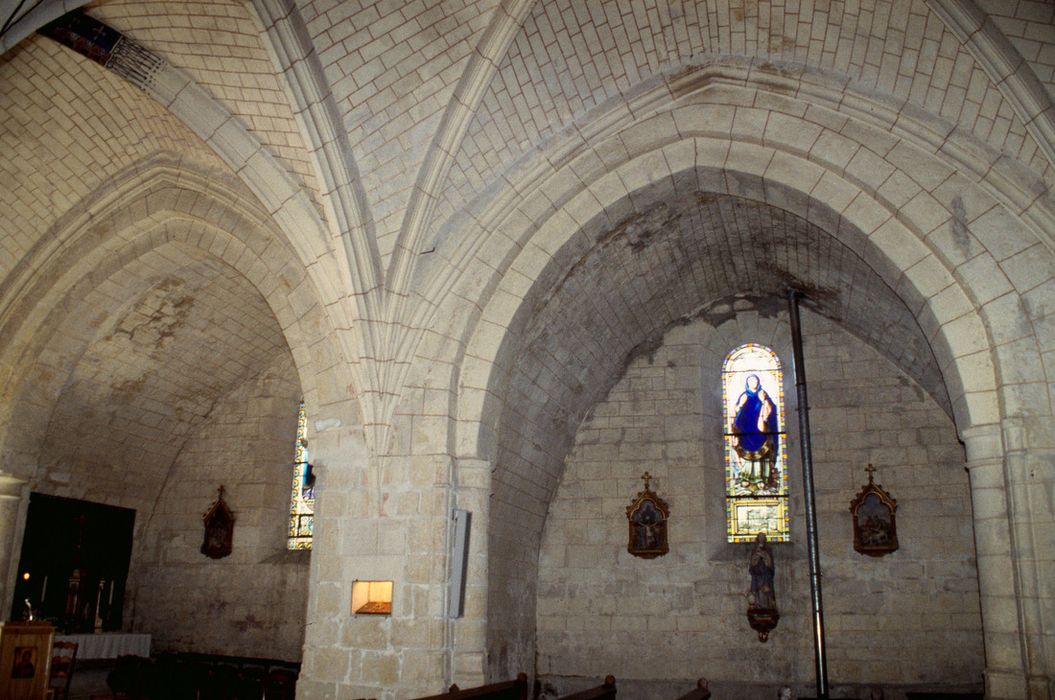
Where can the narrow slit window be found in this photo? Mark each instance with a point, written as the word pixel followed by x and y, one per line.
pixel 756 479
pixel 302 499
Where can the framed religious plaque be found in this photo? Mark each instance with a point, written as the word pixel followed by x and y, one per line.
pixel 25 659
pixel 219 529
pixel 875 526
pixel 647 517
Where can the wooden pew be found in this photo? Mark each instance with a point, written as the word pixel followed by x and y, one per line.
pixel 700 692
pixel 506 690
pixel 602 692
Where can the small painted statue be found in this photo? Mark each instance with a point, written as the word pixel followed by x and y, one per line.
pixel 762 594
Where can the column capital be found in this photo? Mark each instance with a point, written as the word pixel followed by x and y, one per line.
pixel 11 486
pixel 1000 684
pixel 473 463
pixel 472 473
pixel 1015 437
pixel 983 444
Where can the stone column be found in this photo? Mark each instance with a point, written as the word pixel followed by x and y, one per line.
pixel 12 500
pixel 469 633
pixel 1005 675
pixel 1032 520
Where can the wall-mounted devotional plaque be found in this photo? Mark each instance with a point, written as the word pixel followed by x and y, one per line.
pixel 875 529
pixel 219 529
pixel 647 516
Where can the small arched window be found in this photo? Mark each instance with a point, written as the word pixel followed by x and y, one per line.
pixel 302 499
pixel 756 478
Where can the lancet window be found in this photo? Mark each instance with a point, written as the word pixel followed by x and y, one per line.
pixel 302 498
pixel 756 479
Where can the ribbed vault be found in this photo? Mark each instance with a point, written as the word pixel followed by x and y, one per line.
pixel 66 144
pixel 219 45
pixel 571 57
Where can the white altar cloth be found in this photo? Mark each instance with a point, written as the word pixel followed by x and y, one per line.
pixel 108 645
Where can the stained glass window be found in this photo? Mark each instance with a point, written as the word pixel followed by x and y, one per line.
pixel 756 478
pixel 302 499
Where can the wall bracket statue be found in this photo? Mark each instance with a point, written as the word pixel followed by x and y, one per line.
pixel 647 516
pixel 875 529
pixel 762 612
pixel 219 529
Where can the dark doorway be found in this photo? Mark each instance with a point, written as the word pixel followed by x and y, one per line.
pixel 74 563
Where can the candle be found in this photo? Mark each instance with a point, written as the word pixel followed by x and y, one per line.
pixel 111 593
pixel 43 590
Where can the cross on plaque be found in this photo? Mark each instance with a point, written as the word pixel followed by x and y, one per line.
pixel 647 477
pixel 871 471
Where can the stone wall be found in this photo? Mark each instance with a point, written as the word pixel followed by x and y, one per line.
pixel 251 603
pixel 908 619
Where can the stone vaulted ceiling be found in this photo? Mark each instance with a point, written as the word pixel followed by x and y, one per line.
pixel 69 129
pixel 172 333
pixel 397 73
pixel 432 104
pixel 690 256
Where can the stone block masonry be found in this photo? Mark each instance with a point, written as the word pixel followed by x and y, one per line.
pixel 910 618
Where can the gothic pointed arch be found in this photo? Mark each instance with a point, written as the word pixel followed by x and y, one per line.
pixel 659 156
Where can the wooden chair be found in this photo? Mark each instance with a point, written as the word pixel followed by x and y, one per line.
pixel 131 677
pixel 280 684
pixel 700 692
pixel 63 658
pixel 506 690
pixel 605 691
pixel 251 682
pixel 221 683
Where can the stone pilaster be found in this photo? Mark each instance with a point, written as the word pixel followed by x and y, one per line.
pixel 469 637
pixel 1005 675
pixel 12 501
pixel 1029 480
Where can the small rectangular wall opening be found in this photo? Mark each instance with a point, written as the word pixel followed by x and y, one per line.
pixel 372 597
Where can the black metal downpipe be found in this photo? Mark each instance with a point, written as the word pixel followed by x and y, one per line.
pixel 820 654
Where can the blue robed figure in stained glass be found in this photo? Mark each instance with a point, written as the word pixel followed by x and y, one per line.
pixel 754 431
pixel 756 484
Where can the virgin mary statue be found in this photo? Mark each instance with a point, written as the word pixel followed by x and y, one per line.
pixel 754 432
